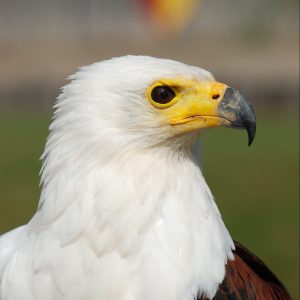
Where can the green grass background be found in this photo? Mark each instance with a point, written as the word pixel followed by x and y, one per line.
pixel 255 188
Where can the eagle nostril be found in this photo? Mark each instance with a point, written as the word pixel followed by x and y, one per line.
pixel 216 96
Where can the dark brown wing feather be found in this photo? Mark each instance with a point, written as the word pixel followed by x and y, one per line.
pixel 248 278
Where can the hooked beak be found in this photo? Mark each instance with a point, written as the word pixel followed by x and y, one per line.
pixel 238 111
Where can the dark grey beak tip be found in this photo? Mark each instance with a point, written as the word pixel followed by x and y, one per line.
pixel 251 130
pixel 248 120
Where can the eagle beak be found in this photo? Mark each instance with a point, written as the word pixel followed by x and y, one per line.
pixel 200 105
pixel 235 108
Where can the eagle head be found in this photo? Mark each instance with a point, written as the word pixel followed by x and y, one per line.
pixel 142 102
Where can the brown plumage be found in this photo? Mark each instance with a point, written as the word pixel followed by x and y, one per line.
pixel 248 278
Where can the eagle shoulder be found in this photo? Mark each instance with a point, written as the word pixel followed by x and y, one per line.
pixel 248 278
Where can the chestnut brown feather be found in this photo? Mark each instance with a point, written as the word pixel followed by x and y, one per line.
pixel 248 278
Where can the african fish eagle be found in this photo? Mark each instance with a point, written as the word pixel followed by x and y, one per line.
pixel 124 212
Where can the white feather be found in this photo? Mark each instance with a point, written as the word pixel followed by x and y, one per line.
pixel 124 212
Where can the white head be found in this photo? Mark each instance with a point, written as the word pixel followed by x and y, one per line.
pixel 109 102
pixel 106 103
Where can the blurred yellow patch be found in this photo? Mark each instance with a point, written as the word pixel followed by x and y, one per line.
pixel 169 16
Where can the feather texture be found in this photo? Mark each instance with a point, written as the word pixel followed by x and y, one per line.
pixel 248 278
pixel 124 211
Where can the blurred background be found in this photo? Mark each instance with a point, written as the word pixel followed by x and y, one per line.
pixel 250 45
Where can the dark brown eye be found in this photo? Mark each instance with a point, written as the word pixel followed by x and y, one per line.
pixel 162 94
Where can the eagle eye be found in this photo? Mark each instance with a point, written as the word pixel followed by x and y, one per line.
pixel 162 94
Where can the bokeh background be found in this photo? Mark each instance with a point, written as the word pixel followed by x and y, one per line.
pixel 250 45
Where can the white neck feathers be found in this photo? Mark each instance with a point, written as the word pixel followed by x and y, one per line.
pixel 152 209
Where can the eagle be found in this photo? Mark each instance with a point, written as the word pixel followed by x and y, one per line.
pixel 124 211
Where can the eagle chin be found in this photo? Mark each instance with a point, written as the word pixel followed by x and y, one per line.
pixel 124 211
